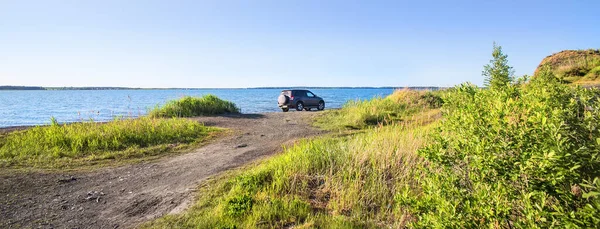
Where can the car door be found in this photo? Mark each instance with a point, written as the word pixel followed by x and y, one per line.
pixel 312 99
pixel 300 96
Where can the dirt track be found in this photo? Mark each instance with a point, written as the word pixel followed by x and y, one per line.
pixel 125 196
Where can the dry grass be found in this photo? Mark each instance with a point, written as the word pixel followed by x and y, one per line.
pixel 574 66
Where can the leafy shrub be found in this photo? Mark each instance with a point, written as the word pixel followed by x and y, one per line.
pixel 523 156
pixel 238 205
pixel 593 74
pixel 193 106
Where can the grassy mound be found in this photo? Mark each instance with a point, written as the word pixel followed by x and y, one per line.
pixel 83 143
pixel 193 106
pixel 379 111
pixel 574 66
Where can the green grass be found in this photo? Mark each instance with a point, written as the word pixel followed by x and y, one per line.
pixel 328 182
pixel 194 106
pixel 592 76
pixel 72 145
pixel 361 114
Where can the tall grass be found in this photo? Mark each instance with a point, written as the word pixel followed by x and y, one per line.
pixel 193 106
pixel 60 144
pixel 330 182
pixel 360 114
pixel 348 182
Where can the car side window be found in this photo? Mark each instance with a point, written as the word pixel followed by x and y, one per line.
pixel 309 94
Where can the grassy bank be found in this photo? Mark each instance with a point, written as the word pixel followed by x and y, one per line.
pixel 194 106
pixel 330 182
pixel 70 145
pixel 361 114
pixel 326 183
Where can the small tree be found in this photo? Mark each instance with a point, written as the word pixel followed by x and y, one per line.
pixel 497 73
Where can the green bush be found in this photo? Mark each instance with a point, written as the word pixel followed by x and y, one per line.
pixel 524 156
pixel 593 74
pixel 193 106
pixel 45 145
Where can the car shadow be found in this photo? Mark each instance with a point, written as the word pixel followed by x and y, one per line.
pixel 247 116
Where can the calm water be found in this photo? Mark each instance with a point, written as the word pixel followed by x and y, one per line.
pixel 24 108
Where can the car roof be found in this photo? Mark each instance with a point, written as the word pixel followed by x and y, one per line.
pixel 296 90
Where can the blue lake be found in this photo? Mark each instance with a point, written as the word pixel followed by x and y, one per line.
pixel 26 108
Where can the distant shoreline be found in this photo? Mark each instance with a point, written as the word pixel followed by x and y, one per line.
pixel 37 88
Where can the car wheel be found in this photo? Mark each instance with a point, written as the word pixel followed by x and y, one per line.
pixel 299 106
pixel 321 105
pixel 285 109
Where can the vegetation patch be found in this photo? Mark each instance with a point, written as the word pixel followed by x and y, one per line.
pixel 74 144
pixel 522 157
pixel 329 182
pixel 574 66
pixel 398 106
pixel 194 106
pixel 522 154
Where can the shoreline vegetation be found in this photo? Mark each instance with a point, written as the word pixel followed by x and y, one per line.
pixel 80 144
pixel 520 153
pixel 189 106
pixel 60 146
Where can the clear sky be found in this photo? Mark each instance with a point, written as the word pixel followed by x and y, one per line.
pixel 251 43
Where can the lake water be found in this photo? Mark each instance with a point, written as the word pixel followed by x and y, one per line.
pixel 26 108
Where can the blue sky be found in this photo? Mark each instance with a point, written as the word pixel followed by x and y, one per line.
pixel 281 43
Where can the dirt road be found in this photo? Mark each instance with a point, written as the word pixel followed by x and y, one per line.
pixel 125 196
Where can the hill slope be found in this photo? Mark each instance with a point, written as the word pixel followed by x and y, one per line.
pixel 575 66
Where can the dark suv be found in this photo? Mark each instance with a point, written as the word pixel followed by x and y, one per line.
pixel 299 99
